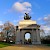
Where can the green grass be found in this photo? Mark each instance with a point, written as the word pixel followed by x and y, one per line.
pixel 2 44
pixel 48 44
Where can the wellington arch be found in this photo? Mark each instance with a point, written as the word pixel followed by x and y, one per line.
pixel 28 26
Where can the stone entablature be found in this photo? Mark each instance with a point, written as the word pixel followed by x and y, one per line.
pixel 27 22
pixel 32 26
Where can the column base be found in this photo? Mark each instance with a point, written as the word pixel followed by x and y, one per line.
pixel 17 42
pixel 36 42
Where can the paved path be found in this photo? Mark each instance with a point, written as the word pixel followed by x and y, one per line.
pixel 26 47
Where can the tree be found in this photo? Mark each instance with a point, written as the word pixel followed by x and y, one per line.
pixel 42 33
pixel 9 30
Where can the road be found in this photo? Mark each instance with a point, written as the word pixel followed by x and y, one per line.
pixel 26 47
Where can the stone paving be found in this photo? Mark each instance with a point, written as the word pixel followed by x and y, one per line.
pixel 26 47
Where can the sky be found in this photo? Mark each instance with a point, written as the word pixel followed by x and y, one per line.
pixel 13 11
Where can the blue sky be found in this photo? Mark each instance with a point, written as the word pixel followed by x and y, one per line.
pixel 39 10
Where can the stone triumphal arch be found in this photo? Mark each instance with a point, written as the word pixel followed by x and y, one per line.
pixel 28 26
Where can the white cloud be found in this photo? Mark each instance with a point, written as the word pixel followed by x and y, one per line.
pixel 1 23
pixel 22 7
pixel 39 19
pixel 45 28
pixel 46 25
pixel 15 21
pixel 45 18
pixel 18 20
pixel 27 4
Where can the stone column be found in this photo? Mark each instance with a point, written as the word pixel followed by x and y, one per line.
pixel 22 37
pixel 38 36
pixel 33 36
pixel 18 37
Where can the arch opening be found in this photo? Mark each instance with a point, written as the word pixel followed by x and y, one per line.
pixel 27 38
